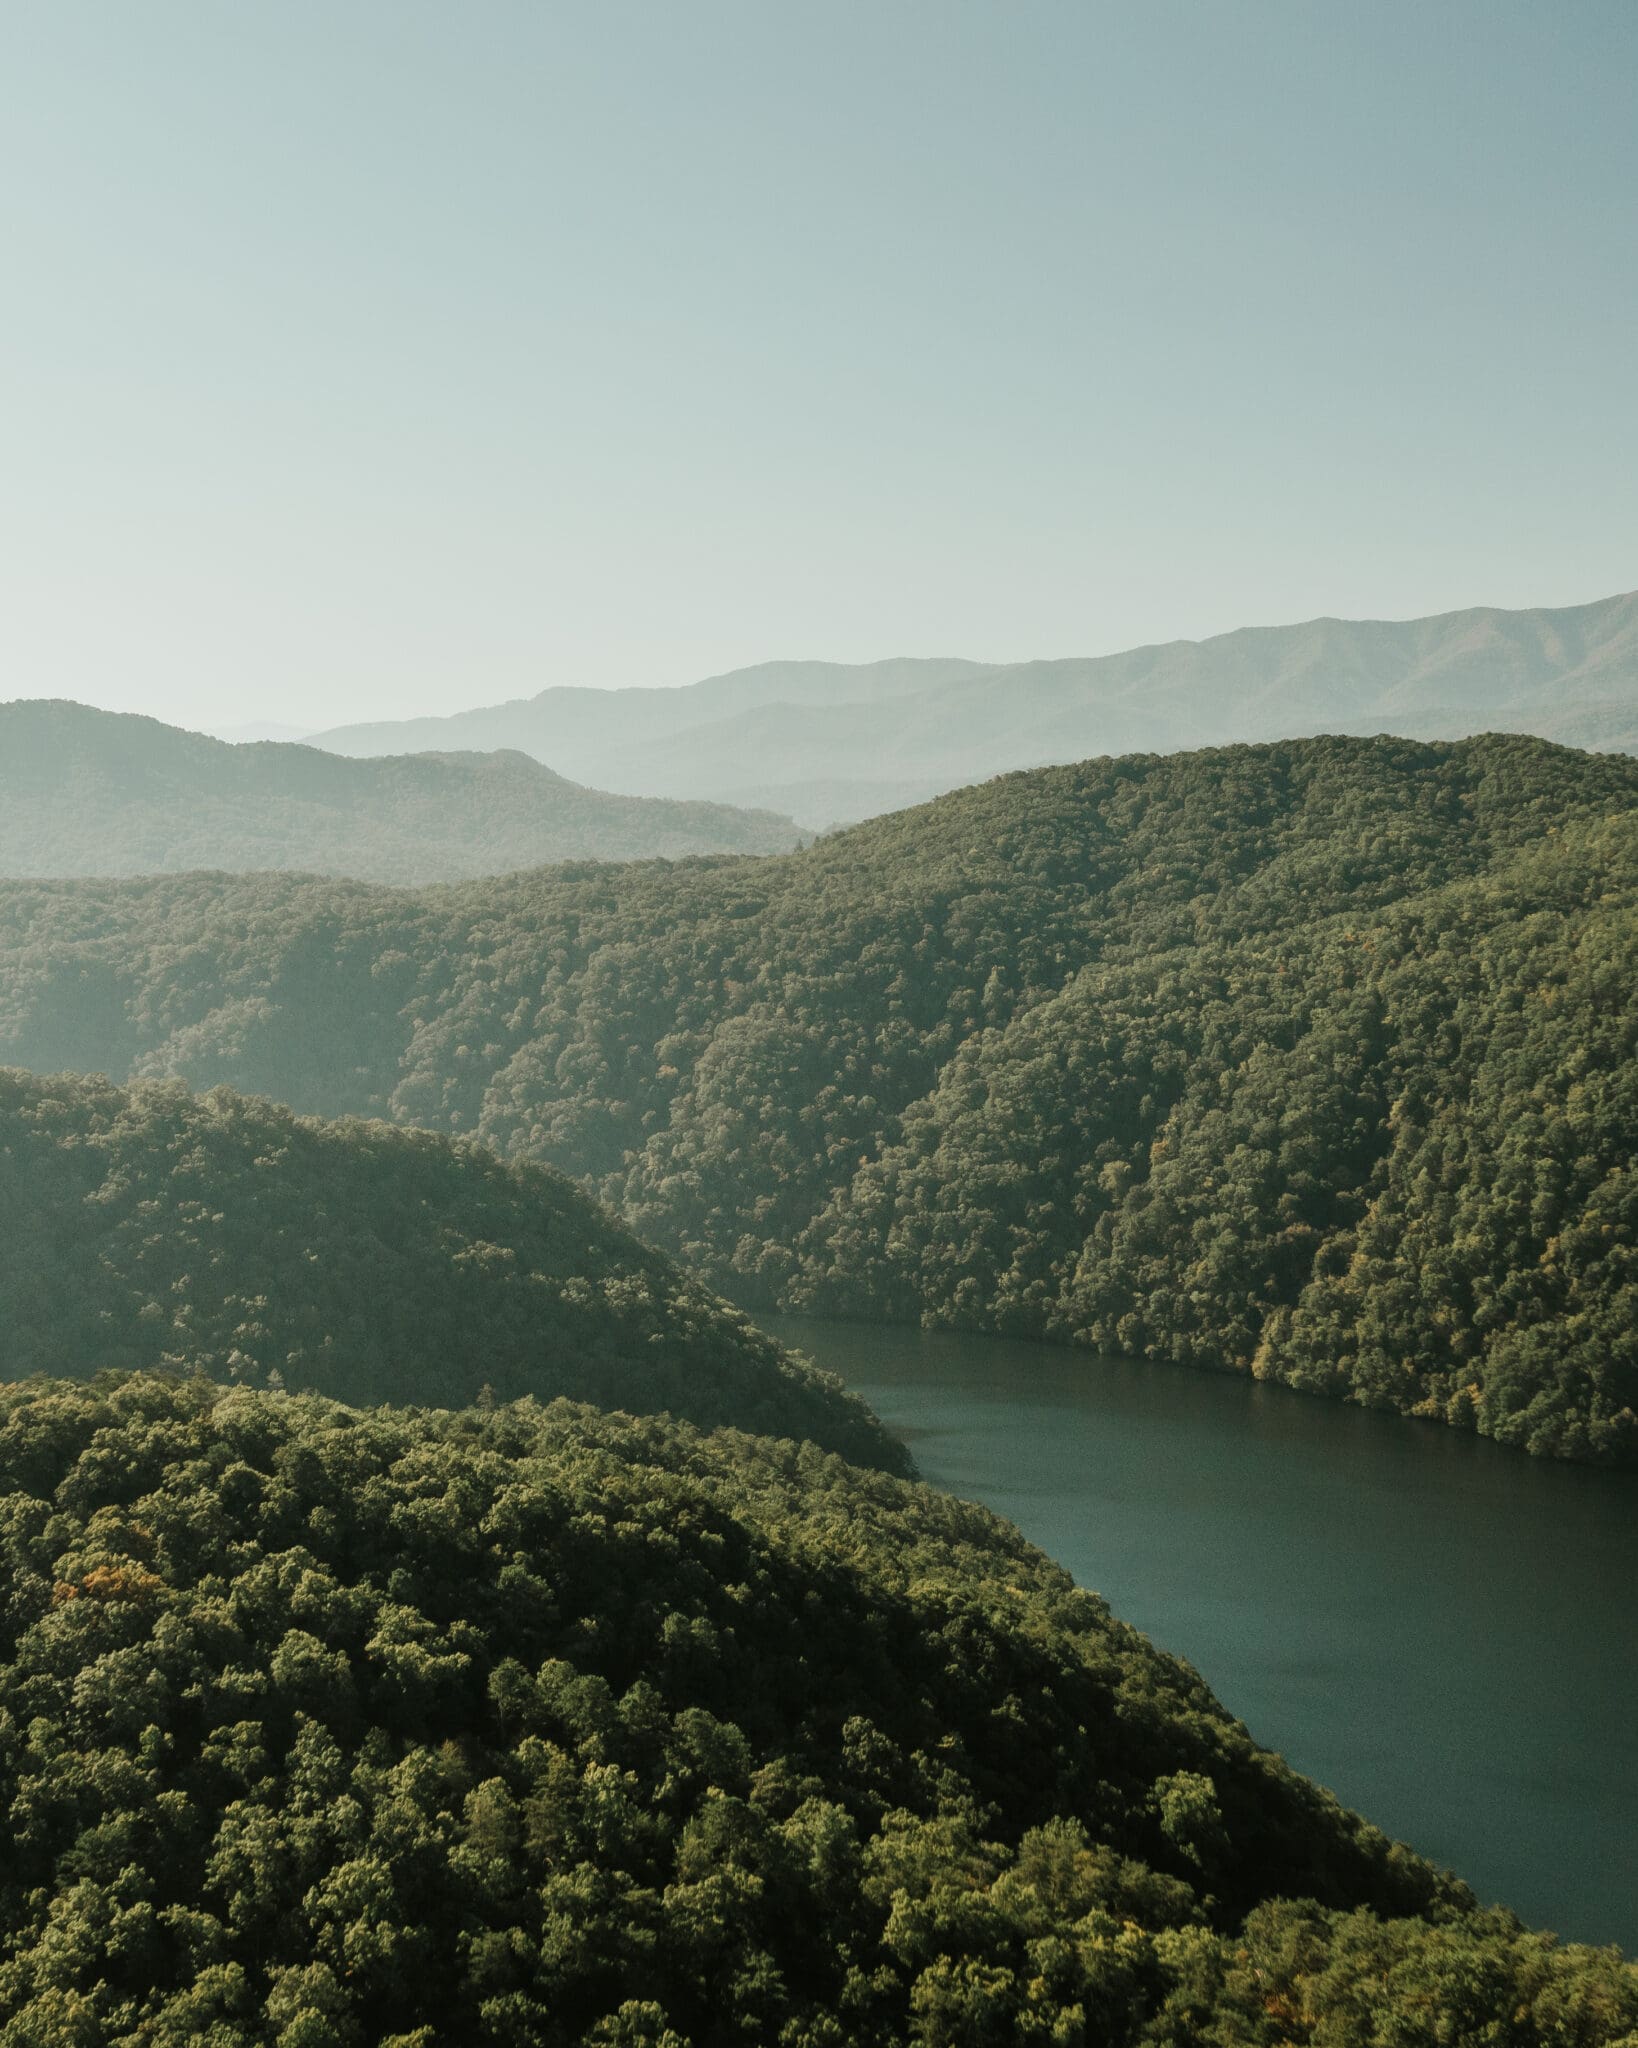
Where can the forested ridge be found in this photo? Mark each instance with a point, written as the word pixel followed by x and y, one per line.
pixel 88 792
pixel 1312 1059
pixel 326 1728
pixel 143 1227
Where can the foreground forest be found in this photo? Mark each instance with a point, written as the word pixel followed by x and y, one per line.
pixel 323 1728
pixel 1313 1060
pixel 142 1227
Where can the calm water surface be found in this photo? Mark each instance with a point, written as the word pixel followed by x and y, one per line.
pixel 1444 1632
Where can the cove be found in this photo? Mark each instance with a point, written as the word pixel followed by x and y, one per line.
pixel 1442 1631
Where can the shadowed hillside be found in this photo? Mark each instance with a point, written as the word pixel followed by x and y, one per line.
pixel 1315 1061
pixel 143 1227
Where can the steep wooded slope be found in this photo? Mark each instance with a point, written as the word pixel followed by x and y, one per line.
pixel 321 1728
pixel 144 1226
pixel 1314 1060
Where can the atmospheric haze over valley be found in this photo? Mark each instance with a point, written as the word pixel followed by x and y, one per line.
pixel 932 1351
pixel 831 743
pixel 755 761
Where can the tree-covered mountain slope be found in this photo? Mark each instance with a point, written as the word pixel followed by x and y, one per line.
pixel 86 792
pixel 1314 1060
pixel 323 1728
pixel 825 741
pixel 144 1227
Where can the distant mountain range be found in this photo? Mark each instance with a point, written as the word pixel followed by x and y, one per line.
pixel 829 743
pixel 256 729
pixel 86 792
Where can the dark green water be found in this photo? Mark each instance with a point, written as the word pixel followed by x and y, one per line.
pixel 1444 1632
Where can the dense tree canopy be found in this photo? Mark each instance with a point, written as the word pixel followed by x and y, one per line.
pixel 1313 1060
pixel 538 1726
pixel 142 1226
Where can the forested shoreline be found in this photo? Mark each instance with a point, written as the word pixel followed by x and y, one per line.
pixel 145 1227
pixel 670 1714
pixel 739 1309
pixel 1313 1060
pixel 322 1728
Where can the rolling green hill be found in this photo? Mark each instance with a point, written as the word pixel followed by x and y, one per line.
pixel 1313 1060
pixel 145 1227
pixel 829 742
pixel 85 792
pixel 323 1728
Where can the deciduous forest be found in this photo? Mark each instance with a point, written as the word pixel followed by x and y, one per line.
pixel 1310 1060
pixel 325 1727
pixel 141 1227
pixel 738 1308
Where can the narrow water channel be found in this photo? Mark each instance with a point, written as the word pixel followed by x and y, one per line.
pixel 1443 1632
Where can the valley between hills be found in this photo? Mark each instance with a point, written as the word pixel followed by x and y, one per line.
pixel 1312 1061
pixel 931 1343
pixel 439 1612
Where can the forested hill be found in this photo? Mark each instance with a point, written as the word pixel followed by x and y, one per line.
pixel 86 792
pixel 321 1729
pixel 825 741
pixel 1314 1060
pixel 143 1227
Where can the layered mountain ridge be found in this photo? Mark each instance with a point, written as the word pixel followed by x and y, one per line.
pixel 88 792
pixel 1315 1061
pixel 829 742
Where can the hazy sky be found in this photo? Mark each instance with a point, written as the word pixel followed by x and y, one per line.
pixel 374 358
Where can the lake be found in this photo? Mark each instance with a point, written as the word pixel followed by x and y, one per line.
pixel 1442 1631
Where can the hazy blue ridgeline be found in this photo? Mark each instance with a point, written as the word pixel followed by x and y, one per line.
pixel 832 743
pixel 86 792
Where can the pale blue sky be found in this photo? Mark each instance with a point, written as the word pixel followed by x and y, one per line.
pixel 386 357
